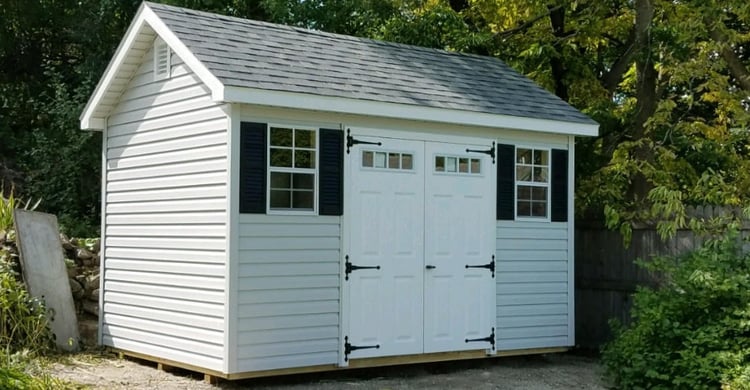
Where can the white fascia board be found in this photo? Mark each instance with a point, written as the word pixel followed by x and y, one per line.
pixel 402 111
pixel 88 121
pixel 143 16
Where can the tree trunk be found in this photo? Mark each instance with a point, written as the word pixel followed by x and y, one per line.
pixel 557 17
pixel 645 92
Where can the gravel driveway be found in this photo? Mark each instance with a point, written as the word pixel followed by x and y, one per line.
pixel 555 371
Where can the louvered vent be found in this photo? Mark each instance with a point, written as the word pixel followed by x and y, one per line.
pixel 162 65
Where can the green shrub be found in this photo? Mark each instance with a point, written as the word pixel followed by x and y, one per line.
pixel 23 320
pixel 693 331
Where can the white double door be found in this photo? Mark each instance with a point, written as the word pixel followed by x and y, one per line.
pixel 420 213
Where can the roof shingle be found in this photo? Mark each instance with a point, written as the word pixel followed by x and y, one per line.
pixel 252 54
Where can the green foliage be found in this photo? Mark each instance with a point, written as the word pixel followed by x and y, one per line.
pixel 7 205
pixel 14 375
pixel 691 332
pixel 23 319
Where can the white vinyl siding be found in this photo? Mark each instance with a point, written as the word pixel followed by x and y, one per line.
pixel 532 285
pixel 288 298
pixel 165 219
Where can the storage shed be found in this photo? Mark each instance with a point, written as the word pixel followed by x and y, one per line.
pixel 281 200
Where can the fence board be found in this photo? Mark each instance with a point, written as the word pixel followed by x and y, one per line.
pixel 607 276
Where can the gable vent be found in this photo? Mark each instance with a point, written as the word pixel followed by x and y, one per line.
pixel 162 60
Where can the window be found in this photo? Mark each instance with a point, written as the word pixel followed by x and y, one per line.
pixel 162 60
pixel 292 162
pixel 387 160
pixel 453 164
pixel 532 182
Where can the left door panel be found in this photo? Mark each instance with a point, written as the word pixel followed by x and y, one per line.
pixel 386 222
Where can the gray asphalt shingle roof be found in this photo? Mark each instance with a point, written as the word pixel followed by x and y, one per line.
pixel 252 54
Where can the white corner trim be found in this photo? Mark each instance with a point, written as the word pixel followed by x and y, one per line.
pixel 571 242
pixel 401 111
pixel 145 16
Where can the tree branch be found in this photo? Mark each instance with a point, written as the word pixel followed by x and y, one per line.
pixel 523 26
pixel 736 68
pixel 612 78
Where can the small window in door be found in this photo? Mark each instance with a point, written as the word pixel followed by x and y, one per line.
pixel 387 160
pixel 459 165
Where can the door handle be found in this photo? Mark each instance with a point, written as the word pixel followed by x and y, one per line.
pixel 430 266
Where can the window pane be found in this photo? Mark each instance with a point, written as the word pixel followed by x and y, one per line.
pixel 380 159
pixel 523 156
pixel 367 159
pixel 281 199
pixel 539 193
pixel 302 200
pixel 524 209
pixel 281 137
pixel 281 157
pixel 450 164
pixel 304 138
pixel 524 193
pixel 539 209
pixel 304 159
pixel 406 161
pixel 540 157
pixel 523 173
pixel 281 180
pixel 304 181
pixel 476 165
pixel 394 161
pixel 440 164
pixel 463 165
pixel 540 175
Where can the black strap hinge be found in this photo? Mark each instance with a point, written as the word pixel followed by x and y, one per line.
pixel 490 152
pixel 348 348
pixel 489 339
pixel 351 141
pixel 490 266
pixel 349 267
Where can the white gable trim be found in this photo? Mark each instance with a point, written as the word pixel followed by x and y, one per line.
pixel 403 111
pixel 145 16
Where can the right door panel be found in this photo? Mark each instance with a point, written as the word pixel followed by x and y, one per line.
pixel 459 301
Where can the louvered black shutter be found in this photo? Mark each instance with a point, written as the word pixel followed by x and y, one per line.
pixel 331 194
pixel 559 186
pixel 506 163
pixel 253 168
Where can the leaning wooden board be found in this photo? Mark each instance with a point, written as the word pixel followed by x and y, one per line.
pixel 44 272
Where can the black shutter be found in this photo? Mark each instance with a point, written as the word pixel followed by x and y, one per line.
pixel 331 193
pixel 253 167
pixel 506 181
pixel 559 186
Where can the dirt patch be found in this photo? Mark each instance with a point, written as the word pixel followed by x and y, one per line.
pixel 558 371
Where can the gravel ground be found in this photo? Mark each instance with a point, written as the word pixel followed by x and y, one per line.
pixel 557 371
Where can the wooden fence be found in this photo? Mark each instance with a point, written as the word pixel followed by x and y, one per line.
pixel 606 275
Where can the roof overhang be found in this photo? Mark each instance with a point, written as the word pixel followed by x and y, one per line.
pixel 146 23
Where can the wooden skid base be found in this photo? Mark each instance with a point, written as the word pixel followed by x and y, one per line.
pixel 212 376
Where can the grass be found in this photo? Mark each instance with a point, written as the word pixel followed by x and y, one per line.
pixel 23 371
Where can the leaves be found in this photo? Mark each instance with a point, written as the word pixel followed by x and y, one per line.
pixel 691 331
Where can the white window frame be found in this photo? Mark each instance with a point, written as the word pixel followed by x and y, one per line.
pixel 159 45
pixel 517 182
pixel 482 165
pixel 387 169
pixel 315 171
